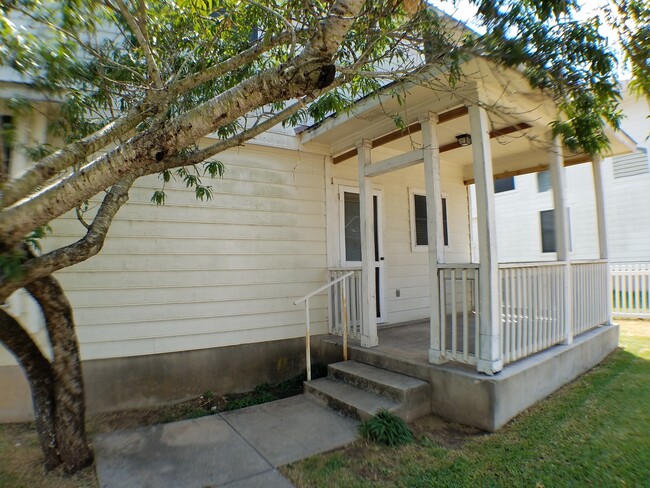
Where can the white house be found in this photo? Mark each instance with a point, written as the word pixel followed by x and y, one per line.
pixel 200 296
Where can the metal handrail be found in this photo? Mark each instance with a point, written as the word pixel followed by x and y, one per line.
pixel 308 323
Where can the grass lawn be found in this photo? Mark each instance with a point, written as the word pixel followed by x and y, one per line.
pixel 593 432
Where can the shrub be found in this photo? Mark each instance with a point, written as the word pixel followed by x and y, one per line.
pixel 386 428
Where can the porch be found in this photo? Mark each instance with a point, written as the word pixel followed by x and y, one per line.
pixel 482 314
pixel 537 311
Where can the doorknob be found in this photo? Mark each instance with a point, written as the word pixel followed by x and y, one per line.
pixel 381 258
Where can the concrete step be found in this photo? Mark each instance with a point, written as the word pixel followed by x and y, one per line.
pixel 347 399
pixel 360 390
pixel 396 386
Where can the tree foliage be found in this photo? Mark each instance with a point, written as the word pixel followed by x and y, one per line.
pixel 136 85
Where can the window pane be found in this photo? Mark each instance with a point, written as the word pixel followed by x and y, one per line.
pixel 504 184
pixel 421 234
pixel 352 227
pixel 445 232
pixel 543 181
pixel 547 223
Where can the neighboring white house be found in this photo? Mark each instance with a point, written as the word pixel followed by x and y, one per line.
pixel 524 205
pixel 199 296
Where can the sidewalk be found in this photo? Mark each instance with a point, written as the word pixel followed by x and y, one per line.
pixel 238 449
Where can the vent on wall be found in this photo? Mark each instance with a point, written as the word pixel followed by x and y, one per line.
pixel 631 164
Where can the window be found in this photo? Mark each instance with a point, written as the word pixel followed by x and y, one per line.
pixel 544 181
pixel 6 127
pixel 547 225
pixel 421 235
pixel 504 184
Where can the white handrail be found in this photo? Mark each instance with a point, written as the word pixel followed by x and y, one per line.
pixel 324 287
pixel 308 324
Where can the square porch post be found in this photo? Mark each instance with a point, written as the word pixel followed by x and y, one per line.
pixel 366 226
pixel 562 245
pixel 431 155
pixel 599 190
pixel 489 354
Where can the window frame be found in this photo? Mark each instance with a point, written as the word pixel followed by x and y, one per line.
pixel 550 182
pixel 541 231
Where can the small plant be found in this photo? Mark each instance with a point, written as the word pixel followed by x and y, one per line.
pixel 386 428
pixel 249 400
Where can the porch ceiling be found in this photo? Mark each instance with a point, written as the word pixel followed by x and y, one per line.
pixel 509 100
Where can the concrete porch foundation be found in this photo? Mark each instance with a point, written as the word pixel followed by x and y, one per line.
pixel 460 394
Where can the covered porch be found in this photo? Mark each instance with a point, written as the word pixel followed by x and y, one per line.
pixel 481 315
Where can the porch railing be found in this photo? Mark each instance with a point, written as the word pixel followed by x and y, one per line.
pixel 630 290
pixel 590 296
pixel 350 288
pixel 459 323
pixel 532 308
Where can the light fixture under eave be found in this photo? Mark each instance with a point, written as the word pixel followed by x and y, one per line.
pixel 464 139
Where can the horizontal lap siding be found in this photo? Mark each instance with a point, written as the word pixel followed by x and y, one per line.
pixel 192 274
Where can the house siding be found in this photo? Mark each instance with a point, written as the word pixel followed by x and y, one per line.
pixel 194 275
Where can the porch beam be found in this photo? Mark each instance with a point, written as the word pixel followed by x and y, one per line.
pixel 398 134
pixel 489 354
pixel 431 155
pixel 367 228
pixel 396 162
pixel 561 220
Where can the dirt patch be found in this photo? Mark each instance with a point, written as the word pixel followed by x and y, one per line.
pixel 444 433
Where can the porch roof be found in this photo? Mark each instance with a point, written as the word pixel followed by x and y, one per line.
pixel 511 103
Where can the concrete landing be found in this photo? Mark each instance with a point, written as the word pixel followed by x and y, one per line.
pixel 238 449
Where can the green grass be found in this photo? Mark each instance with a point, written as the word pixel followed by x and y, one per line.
pixel 594 432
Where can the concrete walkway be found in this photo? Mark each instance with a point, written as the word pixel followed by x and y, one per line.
pixel 238 449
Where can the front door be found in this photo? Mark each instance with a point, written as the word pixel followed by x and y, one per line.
pixel 350 216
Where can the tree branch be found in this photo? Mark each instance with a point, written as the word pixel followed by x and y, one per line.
pixel 50 166
pixel 152 67
pixel 41 266
pixel 301 75
pixel 201 155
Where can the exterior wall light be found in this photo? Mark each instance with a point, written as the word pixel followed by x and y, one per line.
pixel 464 139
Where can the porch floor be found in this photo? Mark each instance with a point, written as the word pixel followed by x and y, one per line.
pixel 409 342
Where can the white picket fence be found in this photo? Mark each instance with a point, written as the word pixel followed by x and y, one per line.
pixel 630 284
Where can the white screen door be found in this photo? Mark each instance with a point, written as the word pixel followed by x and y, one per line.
pixel 350 233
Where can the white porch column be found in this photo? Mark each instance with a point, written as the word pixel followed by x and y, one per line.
pixel 562 244
pixel 367 227
pixel 431 154
pixel 489 355
pixel 599 187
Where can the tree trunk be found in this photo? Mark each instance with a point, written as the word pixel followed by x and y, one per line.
pixel 39 374
pixel 69 406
